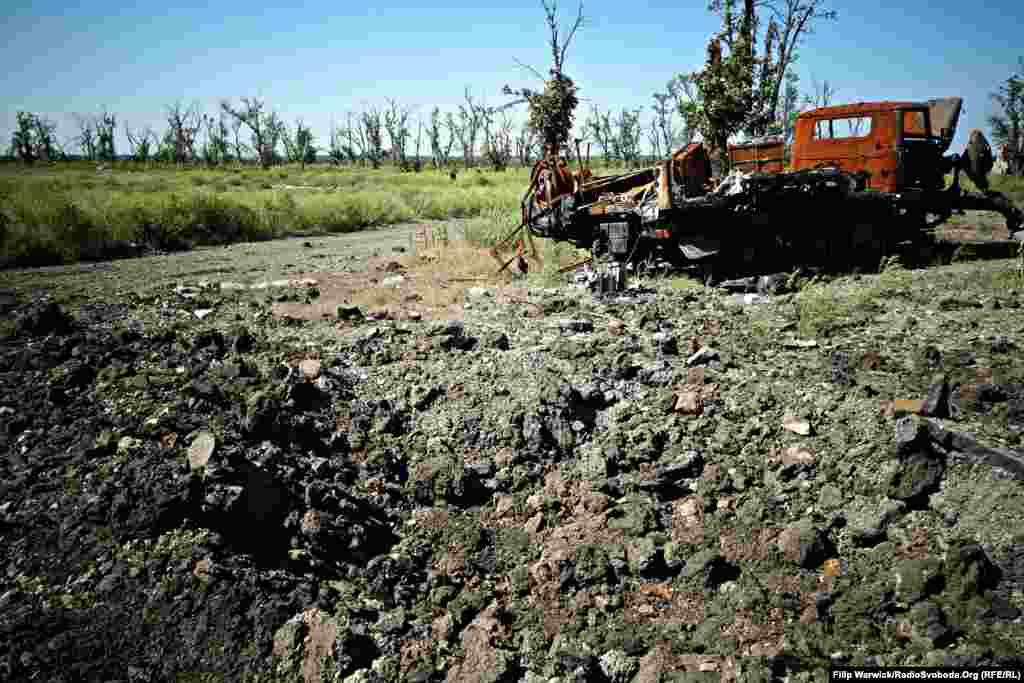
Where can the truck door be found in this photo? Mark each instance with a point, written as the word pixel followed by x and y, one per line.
pixel 849 142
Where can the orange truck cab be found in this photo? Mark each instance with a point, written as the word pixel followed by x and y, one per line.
pixel 898 145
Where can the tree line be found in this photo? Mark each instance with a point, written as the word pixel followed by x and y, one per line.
pixel 748 88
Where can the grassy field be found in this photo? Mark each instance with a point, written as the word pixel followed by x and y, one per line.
pixel 62 213
pixel 69 212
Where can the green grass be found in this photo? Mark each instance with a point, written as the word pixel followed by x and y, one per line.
pixel 69 212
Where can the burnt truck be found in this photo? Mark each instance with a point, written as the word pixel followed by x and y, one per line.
pixel 864 181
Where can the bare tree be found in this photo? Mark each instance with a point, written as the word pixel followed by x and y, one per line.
pixel 141 143
pixel 793 20
pixel 497 133
pixel 598 126
pixel 265 128
pixel 821 94
pixel 236 139
pixel 440 154
pixel 418 165
pixel 525 143
pixel 468 128
pixel 87 135
pixel 396 123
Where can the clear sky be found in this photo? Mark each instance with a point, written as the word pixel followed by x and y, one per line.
pixel 328 58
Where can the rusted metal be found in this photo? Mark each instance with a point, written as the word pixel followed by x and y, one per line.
pixel 574 266
pixel 817 210
pixel 760 156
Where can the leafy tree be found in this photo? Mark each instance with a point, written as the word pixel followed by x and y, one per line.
pixel 35 139
pixel 216 148
pixel 265 128
pixel 106 125
pixel 626 140
pixel 1008 124
pixel 739 90
pixel 299 144
pixel 179 141
pixel 372 144
pixel 552 110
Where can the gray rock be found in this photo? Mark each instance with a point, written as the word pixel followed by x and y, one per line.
pixel 936 403
pixel 200 450
pixel 575 326
pixel 617 666
pixel 703 356
pixel 918 476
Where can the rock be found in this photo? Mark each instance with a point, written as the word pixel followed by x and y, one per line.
pixel 1001 344
pixel 710 565
pixel 575 326
pixel 242 341
pixel 500 341
pixel 481 660
pixel 310 368
pixel 617 666
pixel 313 643
pixel 200 450
pixel 42 318
pixel 665 343
pixel 703 356
pixel 616 327
pixel 349 313
pixel 688 402
pixel 907 406
pixel 916 477
pixel 797 456
pixel 936 404
pixel 916 579
pixel 803 544
pixel 797 425
pixel 868 526
pixel 202 312
pixel 912 435
pixel 392 281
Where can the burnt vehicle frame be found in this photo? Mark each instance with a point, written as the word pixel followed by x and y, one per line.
pixel 863 180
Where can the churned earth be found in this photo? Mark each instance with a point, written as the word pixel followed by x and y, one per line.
pixel 221 466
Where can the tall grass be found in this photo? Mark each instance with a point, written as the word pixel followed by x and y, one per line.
pixel 64 213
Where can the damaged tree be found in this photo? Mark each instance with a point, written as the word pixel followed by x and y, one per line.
pixel 552 111
pixel 1008 124
pixel 739 90
pixel 142 142
pixel 34 139
pixel 265 128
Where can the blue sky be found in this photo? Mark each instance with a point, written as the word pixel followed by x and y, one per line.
pixel 326 59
